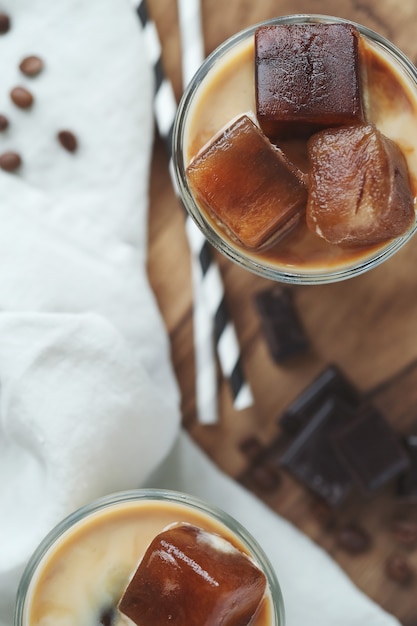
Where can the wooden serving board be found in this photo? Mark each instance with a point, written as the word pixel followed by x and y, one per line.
pixel 367 326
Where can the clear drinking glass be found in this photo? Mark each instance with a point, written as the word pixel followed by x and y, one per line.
pixel 143 509
pixel 345 264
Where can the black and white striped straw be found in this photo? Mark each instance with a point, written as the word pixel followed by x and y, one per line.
pixel 212 326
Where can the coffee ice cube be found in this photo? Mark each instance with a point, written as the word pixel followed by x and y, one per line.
pixel 359 187
pixel 189 576
pixel 307 77
pixel 247 185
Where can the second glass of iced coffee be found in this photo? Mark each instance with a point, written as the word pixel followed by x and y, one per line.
pixel 295 149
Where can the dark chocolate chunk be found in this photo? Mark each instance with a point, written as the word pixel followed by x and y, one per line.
pixel 22 97
pixel 407 481
pixel 331 383
pixel 68 140
pixel 10 161
pixel 281 324
pixel 311 459
pixel 360 192
pixel 266 477
pixel 4 23
pixel 399 569
pixel 370 449
pixel 353 539
pixel 31 65
pixel 190 577
pixel 4 122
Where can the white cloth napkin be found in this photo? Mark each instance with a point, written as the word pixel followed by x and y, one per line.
pixel 88 400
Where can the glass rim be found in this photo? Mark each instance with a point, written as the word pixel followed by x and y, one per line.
pixel 301 276
pixel 149 494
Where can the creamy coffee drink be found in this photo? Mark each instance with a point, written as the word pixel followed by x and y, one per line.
pixel 83 574
pixel 226 91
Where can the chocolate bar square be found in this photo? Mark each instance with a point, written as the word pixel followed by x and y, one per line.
pixel 330 383
pixel 370 449
pixel 307 77
pixel 311 459
pixel 281 324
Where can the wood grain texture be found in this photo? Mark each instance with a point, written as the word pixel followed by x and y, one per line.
pixel 367 326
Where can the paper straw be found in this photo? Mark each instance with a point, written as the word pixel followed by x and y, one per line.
pixel 192 41
pixel 211 320
pixel 192 55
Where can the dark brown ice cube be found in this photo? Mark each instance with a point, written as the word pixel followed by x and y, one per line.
pixel 193 577
pixel 307 77
pixel 248 185
pixel 359 187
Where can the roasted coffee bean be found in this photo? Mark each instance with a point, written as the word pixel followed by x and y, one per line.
pixel 310 458
pixel 405 532
pixel 4 122
pixel 399 570
pixel 10 161
pixel 251 447
pixel 353 539
pixel 68 140
pixel 407 481
pixel 368 429
pixel 322 513
pixel 4 23
pixel 265 477
pixel 21 97
pixel 31 65
pixel 331 383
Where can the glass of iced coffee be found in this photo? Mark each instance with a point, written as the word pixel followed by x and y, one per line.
pixel 149 557
pixel 295 149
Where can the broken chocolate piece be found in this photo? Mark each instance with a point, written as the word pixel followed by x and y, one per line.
pixel 370 449
pixel 248 185
pixel 281 324
pixel 407 481
pixel 306 78
pixel 193 577
pixel 331 383
pixel 311 459
pixel 360 191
